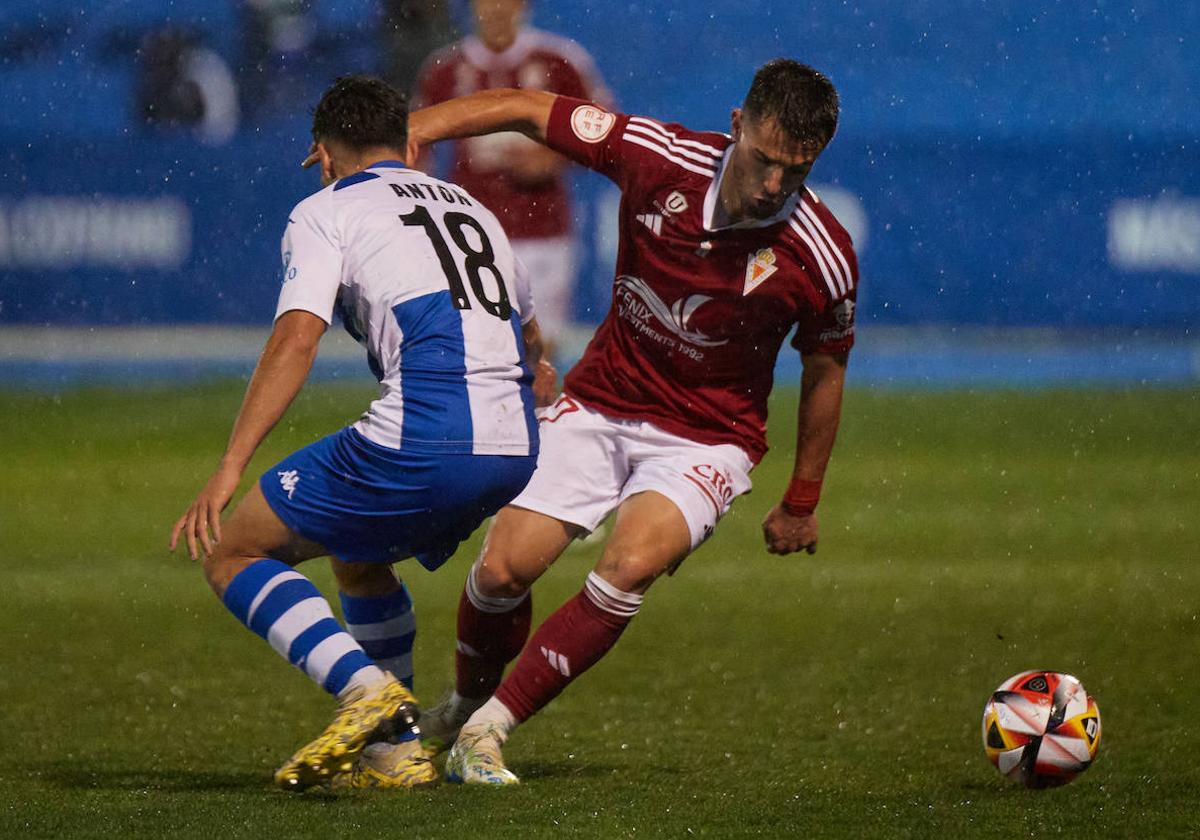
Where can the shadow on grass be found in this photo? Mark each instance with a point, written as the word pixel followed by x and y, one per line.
pixel 178 780
pixel 530 770
pixel 164 780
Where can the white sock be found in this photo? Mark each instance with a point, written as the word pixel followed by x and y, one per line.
pixel 495 713
pixel 365 678
pixel 494 604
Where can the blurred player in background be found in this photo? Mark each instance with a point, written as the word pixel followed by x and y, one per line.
pixel 723 251
pixel 183 86
pixel 421 275
pixel 522 181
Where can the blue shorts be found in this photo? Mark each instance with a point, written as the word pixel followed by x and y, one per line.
pixel 368 503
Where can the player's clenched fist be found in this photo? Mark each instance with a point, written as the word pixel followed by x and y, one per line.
pixel 545 383
pixel 785 533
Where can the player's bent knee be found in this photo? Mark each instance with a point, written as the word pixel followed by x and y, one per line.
pixel 520 546
pixel 508 569
pixel 632 572
pixel 495 576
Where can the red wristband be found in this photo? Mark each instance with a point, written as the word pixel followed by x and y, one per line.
pixel 801 497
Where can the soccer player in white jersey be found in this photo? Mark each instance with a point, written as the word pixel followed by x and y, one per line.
pixel 423 276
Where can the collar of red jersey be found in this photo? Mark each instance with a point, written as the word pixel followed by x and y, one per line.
pixel 714 189
pixel 485 59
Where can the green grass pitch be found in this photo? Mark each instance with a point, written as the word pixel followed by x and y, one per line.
pixel 966 536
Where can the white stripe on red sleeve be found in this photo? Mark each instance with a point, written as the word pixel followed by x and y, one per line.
pixel 704 159
pixel 823 248
pixel 646 143
pixel 671 137
pixel 812 247
pixel 837 252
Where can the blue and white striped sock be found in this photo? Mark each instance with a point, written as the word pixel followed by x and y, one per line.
pixel 385 627
pixel 282 605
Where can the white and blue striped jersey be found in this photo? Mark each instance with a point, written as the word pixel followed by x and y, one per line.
pixel 423 277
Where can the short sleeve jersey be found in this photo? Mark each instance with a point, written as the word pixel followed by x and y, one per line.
pixel 423 277
pixel 699 313
pixel 537 60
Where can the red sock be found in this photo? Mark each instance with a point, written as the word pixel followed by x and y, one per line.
pixel 569 642
pixel 487 642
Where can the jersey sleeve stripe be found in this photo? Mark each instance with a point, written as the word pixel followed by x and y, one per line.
pixel 702 159
pixel 816 220
pixel 659 150
pixel 826 248
pixel 829 284
pixel 673 137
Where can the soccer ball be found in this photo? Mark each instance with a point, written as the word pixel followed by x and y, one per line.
pixel 1041 728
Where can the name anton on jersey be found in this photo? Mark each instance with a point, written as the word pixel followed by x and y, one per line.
pixel 434 192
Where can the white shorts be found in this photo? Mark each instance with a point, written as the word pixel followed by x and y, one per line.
pixel 588 464
pixel 550 267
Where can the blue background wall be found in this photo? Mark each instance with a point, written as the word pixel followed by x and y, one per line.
pixel 1016 164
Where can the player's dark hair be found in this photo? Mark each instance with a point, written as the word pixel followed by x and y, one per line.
pixel 801 100
pixel 362 112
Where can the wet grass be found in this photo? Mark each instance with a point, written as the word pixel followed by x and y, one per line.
pixel 966 537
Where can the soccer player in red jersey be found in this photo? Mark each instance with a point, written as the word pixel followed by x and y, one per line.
pixel 524 181
pixel 723 253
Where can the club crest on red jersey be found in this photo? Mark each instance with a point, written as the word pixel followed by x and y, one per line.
pixel 759 266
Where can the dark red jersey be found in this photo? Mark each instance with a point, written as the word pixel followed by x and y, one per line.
pixel 699 313
pixel 537 60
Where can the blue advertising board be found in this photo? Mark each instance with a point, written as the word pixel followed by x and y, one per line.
pixel 948 232
pixel 993 171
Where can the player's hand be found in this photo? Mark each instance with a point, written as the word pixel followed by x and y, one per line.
pixel 204 516
pixel 418 137
pixel 313 158
pixel 545 383
pixel 785 533
pixel 412 152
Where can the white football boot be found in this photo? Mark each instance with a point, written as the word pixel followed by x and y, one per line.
pixel 476 758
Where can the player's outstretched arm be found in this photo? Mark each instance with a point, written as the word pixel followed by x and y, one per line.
pixel 278 377
pixel 486 112
pixel 792 524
